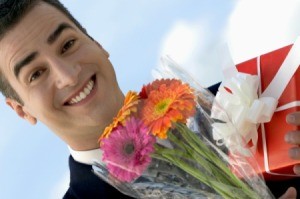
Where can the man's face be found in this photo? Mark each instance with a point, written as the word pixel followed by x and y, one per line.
pixel 63 77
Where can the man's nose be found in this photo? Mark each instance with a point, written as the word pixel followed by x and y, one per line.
pixel 65 74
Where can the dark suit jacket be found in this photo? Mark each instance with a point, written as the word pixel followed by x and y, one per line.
pixel 84 184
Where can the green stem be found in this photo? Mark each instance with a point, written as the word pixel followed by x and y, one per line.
pixel 197 151
pixel 210 167
pixel 197 144
pixel 194 172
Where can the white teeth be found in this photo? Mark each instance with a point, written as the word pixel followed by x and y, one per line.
pixel 73 101
pixel 82 95
pixel 90 86
pixel 87 91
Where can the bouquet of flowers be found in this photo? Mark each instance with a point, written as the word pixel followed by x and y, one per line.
pixel 160 146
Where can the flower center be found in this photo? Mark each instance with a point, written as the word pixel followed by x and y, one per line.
pixel 162 107
pixel 129 148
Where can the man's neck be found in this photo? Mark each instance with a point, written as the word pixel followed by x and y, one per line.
pixel 85 143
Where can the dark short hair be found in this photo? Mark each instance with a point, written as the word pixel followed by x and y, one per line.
pixel 11 13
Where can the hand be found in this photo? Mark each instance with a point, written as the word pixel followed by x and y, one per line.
pixel 291 193
pixel 293 137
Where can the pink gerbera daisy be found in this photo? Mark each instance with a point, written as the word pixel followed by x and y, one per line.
pixel 127 150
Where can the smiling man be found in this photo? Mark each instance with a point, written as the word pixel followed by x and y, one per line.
pixel 61 75
pixel 51 70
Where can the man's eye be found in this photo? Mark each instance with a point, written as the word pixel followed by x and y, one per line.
pixel 67 45
pixel 35 75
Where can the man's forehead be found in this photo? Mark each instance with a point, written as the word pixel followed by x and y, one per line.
pixel 37 18
pixel 34 28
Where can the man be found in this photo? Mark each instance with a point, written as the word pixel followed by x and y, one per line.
pixel 61 77
pixel 52 71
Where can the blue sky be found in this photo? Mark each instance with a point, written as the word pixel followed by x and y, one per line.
pixel 136 33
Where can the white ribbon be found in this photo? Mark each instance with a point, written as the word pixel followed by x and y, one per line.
pixel 239 108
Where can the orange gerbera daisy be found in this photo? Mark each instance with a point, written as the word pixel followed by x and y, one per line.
pixel 130 106
pixel 166 101
pixel 154 86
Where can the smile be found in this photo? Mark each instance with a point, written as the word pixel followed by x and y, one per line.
pixel 83 93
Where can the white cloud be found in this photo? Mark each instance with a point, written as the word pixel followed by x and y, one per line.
pixel 60 187
pixel 194 48
pixel 182 40
pixel 259 26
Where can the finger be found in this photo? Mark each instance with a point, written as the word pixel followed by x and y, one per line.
pixel 294 153
pixel 293 118
pixel 296 169
pixel 292 137
pixel 291 193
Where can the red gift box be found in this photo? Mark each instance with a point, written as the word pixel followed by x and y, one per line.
pixel 272 150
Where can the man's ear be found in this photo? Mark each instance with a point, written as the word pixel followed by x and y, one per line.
pixel 19 109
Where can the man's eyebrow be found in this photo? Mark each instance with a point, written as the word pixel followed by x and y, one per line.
pixel 24 62
pixel 57 32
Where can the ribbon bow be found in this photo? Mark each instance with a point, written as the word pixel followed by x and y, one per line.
pixel 240 110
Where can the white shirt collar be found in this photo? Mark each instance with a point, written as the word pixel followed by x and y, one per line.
pixel 86 157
